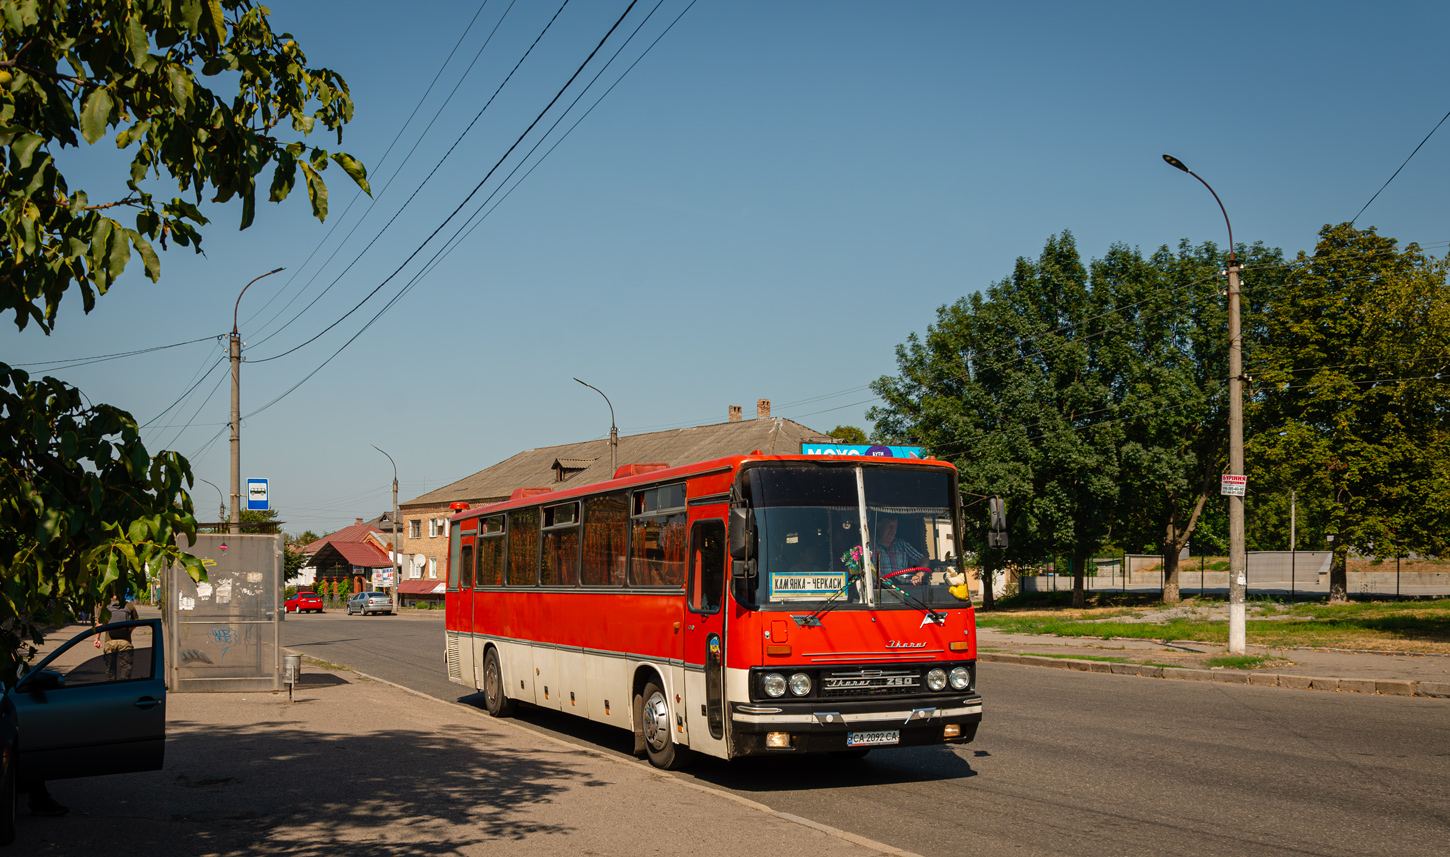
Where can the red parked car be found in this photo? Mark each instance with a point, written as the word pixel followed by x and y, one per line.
pixel 304 602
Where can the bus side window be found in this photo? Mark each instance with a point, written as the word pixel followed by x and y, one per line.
pixel 523 555
pixel 606 529
pixel 707 566
pixel 465 564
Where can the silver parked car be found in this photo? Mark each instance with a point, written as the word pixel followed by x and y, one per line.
pixel 79 713
pixel 370 602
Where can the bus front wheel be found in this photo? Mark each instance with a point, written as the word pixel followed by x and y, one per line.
pixel 495 700
pixel 659 741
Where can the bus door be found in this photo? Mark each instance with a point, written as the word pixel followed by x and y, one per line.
pixel 704 622
pixel 463 556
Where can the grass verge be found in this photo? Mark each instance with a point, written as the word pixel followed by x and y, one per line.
pixel 1409 626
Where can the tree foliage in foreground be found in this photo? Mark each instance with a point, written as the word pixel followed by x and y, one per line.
pixel 78 71
pixel 85 508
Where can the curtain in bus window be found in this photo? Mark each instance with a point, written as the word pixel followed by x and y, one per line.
pixel 490 561
pixel 523 558
pixel 561 557
pixel 606 527
pixel 658 551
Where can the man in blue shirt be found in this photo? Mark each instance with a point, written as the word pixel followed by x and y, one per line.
pixel 892 555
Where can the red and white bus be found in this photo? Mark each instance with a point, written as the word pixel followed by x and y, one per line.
pixel 723 607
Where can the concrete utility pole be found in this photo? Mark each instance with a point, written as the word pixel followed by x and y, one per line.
pixel 236 357
pixel 1237 557
pixel 613 432
pixel 397 564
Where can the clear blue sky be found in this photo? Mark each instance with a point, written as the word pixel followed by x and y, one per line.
pixel 771 201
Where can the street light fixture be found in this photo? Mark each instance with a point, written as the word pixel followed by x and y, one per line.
pixel 235 351
pixel 222 509
pixel 1237 558
pixel 613 432
pixel 397 564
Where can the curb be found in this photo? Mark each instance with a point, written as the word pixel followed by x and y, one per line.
pixel 1386 687
pixel 834 832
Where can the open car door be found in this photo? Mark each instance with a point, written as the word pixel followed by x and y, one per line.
pixel 80 713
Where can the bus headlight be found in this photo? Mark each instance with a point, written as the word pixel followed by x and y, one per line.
pixel 936 679
pixel 961 678
pixel 800 684
pixel 774 685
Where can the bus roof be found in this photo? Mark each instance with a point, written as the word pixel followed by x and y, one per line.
pixel 536 497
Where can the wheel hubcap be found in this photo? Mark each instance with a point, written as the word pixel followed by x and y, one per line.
pixel 490 682
pixel 656 722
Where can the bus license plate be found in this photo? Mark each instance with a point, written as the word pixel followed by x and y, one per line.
pixel 872 739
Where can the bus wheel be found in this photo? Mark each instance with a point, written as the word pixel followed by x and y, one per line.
pixel 659 742
pixel 494 699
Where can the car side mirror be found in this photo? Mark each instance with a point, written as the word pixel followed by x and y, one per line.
pixel 41 681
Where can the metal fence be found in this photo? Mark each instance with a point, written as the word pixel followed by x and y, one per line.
pixel 1269 573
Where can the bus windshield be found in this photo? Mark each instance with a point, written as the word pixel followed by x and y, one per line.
pixel 856 537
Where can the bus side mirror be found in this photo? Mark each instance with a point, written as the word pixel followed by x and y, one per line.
pixel 740 533
pixel 742 569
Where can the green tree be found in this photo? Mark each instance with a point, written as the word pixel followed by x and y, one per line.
pixel 1351 408
pixel 85 507
pixel 1010 387
pixel 1167 350
pixel 81 69
pixel 848 434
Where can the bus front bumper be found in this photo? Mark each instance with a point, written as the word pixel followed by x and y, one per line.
pixel 823 727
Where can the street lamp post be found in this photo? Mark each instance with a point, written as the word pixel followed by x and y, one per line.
pixel 222 508
pixel 1237 558
pixel 235 352
pixel 397 565
pixel 613 432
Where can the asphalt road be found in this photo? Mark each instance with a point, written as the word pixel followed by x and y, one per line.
pixel 1065 762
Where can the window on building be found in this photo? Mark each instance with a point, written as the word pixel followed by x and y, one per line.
pixel 415 529
pixel 432 528
pixel 433 567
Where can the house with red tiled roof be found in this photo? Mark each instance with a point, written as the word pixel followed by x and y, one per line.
pixel 351 554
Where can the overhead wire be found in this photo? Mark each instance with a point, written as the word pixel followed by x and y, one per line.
pixel 1402 166
pixel 439 254
pixel 382 160
pixel 414 195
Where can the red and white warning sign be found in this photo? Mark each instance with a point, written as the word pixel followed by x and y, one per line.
pixel 1232 485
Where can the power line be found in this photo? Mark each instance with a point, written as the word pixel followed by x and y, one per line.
pixel 414 195
pixel 86 361
pixel 450 217
pixel 382 160
pixel 1402 166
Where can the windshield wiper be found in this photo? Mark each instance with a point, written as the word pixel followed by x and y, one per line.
pixel 934 616
pixel 813 620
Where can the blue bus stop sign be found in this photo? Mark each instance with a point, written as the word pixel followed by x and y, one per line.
pixel 257 494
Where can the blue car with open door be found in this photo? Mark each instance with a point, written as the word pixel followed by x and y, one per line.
pixel 82 712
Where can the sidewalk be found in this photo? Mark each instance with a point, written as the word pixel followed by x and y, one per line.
pixel 1301 669
pixel 363 767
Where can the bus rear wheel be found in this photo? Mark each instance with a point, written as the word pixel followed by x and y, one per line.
pixel 659 740
pixel 495 701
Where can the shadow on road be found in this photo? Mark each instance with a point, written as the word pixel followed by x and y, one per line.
pixel 759 774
